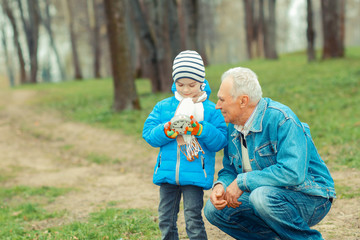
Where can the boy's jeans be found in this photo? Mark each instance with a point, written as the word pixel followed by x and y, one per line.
pixel 271 213
pixel 170 196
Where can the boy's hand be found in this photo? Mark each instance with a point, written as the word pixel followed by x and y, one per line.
pixel 196 128
pixel 170 133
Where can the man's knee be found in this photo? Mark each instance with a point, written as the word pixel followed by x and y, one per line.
pixel 260 197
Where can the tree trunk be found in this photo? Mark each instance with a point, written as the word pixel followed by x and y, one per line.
pixel 125 96
pixel 270 32
pixel 95 40
pixel 249 22
pixel 73 40
pixel 31 27
pixel 163 55
pixel 193 21
pixel 174 30
pixel 310 33
pixel 8 62
pixel 46 20
pixel 10 15
pixel 254 28
pixel 147 45
pixel 333 16
pixel 260 28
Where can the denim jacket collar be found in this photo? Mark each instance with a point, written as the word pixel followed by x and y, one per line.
pixel 258 118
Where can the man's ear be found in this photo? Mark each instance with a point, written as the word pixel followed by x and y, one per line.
pixel 243 100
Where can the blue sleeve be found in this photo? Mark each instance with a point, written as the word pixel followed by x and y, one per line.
pixel 214 134
pixel 153 131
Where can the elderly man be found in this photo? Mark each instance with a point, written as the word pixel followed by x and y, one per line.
pixel 273 183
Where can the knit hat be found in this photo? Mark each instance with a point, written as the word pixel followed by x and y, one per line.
pixel 188 64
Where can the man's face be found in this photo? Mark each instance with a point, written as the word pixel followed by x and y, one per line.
pixel 187 87
pixel 230 107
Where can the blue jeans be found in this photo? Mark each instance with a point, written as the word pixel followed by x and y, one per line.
pixel 271 213
pixel 170 196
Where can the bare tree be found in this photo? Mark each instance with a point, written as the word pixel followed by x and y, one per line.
pixel 174 28
pixel 254 19
pixel 162 43
pixel 260 26
pixel 310 33
pixel 333 17
pixel 47 22
pixel 73 40
pixel 193 21
pixel 31 28
pixel 147 45
pixel 8 62
pixel 8 10
pixel 93 9
pixel 125 96
pixel 270 31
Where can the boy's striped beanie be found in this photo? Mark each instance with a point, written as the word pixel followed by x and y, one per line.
pixel 188 64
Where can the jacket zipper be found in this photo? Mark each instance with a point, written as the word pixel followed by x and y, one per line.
pixel 177 173
pixel 158 164
pixel 203 165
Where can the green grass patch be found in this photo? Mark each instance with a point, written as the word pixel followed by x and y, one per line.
pixel 347 192
pixel 21 204
pixel 109 223
pixel 101 159
pixel 325 94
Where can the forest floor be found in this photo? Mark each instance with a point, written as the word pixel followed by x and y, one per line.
pixel 42 149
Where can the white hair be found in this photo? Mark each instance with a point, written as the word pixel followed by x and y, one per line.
pixel 245 82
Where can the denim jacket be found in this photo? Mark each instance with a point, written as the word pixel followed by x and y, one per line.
pixel 281 152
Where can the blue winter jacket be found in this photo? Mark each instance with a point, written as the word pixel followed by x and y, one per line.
pixel 281 152
pixel 172 166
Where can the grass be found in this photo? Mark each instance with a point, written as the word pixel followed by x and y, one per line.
pixel 109 223
pixel 325 94
pixel 20 206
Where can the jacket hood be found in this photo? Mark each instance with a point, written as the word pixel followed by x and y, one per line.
pixel 207 88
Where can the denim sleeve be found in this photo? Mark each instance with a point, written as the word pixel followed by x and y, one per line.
pixel 291 161
pixel 228 174
pixel 214 134
pixel 153 131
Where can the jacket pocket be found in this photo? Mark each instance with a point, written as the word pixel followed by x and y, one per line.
pixel 266 155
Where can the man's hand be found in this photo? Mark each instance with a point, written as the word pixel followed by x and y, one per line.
pixel 233 192
pixel 217 197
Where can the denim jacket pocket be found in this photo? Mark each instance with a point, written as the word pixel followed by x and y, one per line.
pixel 265 155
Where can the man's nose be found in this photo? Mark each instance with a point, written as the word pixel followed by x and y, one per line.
pixel 217 106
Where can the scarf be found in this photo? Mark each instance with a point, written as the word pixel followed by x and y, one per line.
pixel 188 144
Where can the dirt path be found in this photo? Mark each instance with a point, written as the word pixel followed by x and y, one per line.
pixel 41 149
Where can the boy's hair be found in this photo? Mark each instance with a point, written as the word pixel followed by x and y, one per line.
pixel 188 64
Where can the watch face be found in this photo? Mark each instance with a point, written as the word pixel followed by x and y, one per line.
pixel 180 122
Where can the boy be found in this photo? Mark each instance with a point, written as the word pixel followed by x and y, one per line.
pixel 186 160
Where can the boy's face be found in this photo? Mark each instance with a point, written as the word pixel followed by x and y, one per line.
pixel 187 87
